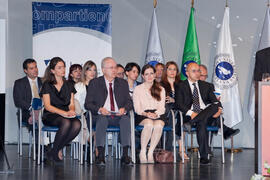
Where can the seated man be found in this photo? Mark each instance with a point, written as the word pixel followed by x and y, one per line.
pixel 108 98
pixel 198 103
pixel 120 71
pixel 227 132
pixel 27 88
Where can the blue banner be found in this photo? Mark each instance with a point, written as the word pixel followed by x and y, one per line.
pixel 53 15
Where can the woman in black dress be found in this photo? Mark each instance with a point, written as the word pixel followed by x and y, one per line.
pixel 169 79
pixel 58 98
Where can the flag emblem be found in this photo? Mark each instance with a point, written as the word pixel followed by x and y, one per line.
pixel 184 67
pixel 225 75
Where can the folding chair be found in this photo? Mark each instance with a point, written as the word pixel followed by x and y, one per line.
pixel 210 129
pixel 114 130
pixel 32 137
pixel 165 130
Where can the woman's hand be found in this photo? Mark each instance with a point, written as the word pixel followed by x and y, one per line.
pixel 151 115
pixel 69 113
pixel 169 99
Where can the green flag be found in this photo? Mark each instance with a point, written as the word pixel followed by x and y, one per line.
pixel 191 49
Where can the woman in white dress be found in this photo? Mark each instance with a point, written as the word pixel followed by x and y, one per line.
pixel 89 72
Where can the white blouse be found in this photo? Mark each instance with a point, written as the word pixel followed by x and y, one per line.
pixel 80 94
pixel 142 100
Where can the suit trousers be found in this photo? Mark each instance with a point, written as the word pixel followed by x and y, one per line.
pixel 203 119
pixel 104 121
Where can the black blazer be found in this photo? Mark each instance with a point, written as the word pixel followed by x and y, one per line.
pixel 22 94
pixel 183 95
pixel 262 64
pixel 97 93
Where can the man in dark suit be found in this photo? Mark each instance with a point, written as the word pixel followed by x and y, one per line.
pixel 108 98
pixel 198 103
pixel 227 132
pixel 27 88
pixel 262 64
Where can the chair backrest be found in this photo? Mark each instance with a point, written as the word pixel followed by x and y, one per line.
pixel 37 104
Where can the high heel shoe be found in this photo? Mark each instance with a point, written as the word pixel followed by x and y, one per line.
pixel 150 158
pixel 185 155
pixel 143 159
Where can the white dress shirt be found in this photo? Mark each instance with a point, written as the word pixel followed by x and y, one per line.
pixel 107 104
pixel 202 105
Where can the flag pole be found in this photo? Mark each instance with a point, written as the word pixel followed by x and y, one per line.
pixel 155 3
pixel 192 3
pixel 232 149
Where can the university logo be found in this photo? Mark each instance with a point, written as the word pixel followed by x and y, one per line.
pixel 153 58
pixel 224 72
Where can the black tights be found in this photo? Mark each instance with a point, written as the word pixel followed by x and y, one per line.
pixel 68 130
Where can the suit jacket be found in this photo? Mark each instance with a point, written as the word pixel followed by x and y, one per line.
pixel 97 93
pixel 183 95
pixel 22 95
pixel 262 64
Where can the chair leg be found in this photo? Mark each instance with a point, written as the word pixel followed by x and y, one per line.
pixel 34 138
pixel 64 151
pixel 209 143
pixel 113 142
pixel 164 139
pixel 18 140
pixel 71 150
pixel 21 137
pixel 30 145
pixel 42 156
pixel 119 151
pixel 106 145
pixel 222 139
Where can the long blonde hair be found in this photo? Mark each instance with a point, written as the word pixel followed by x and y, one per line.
pixel 89 64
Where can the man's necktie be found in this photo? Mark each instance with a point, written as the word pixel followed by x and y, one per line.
pixel 35 90
pixel 195 99
pixel 111 99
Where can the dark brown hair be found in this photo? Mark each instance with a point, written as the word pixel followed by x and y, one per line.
pixel 156 88
pixel 72 68
pixel 164 79
pixel 49 76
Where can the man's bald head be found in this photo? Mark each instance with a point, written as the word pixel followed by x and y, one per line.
pixel 193 71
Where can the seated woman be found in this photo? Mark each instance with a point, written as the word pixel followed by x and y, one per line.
pixel 58 98
pixel 74 74
pixel 170 78
pixel 132 71
pixel 149 104
pixel 89 72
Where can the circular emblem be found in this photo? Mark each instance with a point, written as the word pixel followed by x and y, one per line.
pixel 153 63
pixel 224 73
pixel 184 67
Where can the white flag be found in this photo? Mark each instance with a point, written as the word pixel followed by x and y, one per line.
pixel 225 77
pixel 264 43
pixel 154 51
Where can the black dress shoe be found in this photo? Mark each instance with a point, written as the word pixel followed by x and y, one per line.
pixel 231 133
pixel 204 161
pixel 126 160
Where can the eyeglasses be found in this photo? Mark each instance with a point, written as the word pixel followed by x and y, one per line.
pixel 195 70
pixel 204 75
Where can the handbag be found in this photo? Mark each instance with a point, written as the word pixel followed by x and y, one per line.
pixel 163 156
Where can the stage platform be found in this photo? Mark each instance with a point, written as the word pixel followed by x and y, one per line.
pixel 239 166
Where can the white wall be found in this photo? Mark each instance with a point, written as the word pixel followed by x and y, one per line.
pixel 130 28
